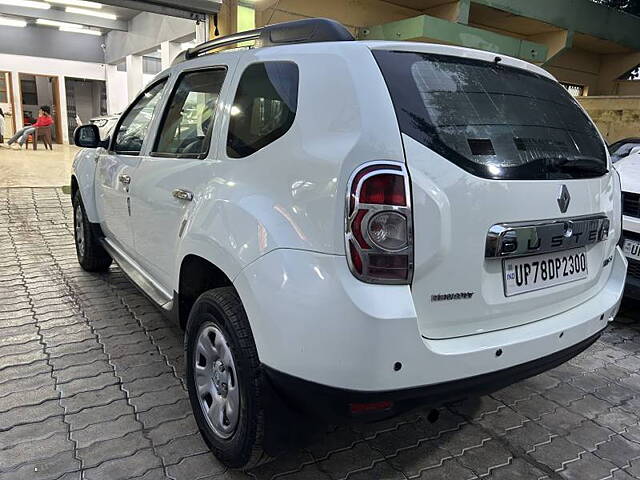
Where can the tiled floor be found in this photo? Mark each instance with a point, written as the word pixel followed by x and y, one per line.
pixel 40 168
pixel 91 387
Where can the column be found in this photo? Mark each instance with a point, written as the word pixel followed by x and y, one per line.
pixel 135 78
pixel 17 99
pixel 117 90
pixel 168 52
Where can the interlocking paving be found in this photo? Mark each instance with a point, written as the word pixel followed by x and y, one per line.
pixel 91 388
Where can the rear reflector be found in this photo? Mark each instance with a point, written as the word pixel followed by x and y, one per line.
pixel 359 408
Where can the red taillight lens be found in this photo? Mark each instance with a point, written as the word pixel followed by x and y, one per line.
pixel 357 229
pixel 384 189
pixel 379 234
pixel 357 179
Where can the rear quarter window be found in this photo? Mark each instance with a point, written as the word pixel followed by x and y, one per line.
pixel 490 119
pixel 264 107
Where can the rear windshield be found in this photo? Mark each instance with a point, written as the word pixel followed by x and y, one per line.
pixel 492 120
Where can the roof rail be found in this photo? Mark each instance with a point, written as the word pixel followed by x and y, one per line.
pixel 299 31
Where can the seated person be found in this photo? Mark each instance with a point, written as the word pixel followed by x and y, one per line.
pixel 44 120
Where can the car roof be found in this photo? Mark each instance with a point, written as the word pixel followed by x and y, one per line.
pixel 351 47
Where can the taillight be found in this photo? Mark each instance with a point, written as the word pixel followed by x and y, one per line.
pixel 379 233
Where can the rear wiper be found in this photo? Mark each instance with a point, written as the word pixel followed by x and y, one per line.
pixel 576 163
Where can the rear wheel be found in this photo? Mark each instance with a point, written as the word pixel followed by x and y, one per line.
pixel 91 255
pixel 224 378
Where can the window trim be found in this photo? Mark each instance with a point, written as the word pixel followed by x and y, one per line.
pixel 233 98
pixel 209 135
pixel 124 114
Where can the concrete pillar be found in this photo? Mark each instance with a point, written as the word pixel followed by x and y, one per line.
pixel 168 52
pixel 17 99
pixel 117 90
pixel 64 121
pixel 201 32
pixel 227 18
pixel 135 75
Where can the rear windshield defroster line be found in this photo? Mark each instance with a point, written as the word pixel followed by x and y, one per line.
pixel 492 120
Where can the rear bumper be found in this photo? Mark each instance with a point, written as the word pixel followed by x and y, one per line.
pixel 312 320
pixel 330 403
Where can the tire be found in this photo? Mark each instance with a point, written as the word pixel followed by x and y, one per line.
pixel 91 255
pixel 218 332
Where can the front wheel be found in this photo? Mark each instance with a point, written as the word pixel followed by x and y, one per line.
pixel 91 254
pixel 224 378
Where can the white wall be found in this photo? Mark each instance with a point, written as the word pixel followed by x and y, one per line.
pixel 51 67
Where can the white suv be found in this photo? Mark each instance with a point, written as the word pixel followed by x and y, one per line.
pixel 347 229
pixel 626 155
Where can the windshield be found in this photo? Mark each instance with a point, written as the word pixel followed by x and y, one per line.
pixel 622 149
pixel 492 120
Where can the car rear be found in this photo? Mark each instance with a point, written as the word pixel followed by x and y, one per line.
pixel 483 254
pixel 514 212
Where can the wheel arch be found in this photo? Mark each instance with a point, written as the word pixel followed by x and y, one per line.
pixel 196 276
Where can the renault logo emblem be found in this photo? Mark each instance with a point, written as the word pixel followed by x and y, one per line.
pixel 563 199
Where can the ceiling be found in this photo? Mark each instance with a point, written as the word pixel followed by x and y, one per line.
pixel 95 17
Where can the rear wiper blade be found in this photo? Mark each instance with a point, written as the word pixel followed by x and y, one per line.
pixel 579 163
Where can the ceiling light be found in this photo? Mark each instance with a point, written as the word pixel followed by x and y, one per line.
pixel 91 13
pixel 77 3
pixel 26 4
pixel 55 23
pixel 12 22
pixel 86 31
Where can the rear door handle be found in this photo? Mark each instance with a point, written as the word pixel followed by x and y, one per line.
pixel 124 179
pixel 181 194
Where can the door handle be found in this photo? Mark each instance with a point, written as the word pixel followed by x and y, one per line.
pixel 124 179
pixel 181 194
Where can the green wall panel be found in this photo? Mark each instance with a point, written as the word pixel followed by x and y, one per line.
pixel 428 28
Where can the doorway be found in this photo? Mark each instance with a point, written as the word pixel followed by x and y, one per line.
pixel 38 90
pixel 86 99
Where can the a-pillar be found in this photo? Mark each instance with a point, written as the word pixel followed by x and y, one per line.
pixel 135 77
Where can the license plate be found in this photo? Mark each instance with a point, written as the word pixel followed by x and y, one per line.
pixel 631 249
pixel 527 274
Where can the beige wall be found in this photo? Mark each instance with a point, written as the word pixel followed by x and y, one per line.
pixel 616 117
pixel 627 87
pixel 351 13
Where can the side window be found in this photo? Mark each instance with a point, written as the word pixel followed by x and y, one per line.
pixel 264 107
pixel 134 127
pixel 188 120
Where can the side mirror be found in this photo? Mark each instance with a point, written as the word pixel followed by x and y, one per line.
pixel 87 136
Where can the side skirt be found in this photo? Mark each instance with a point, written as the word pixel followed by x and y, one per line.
pixel 168 304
